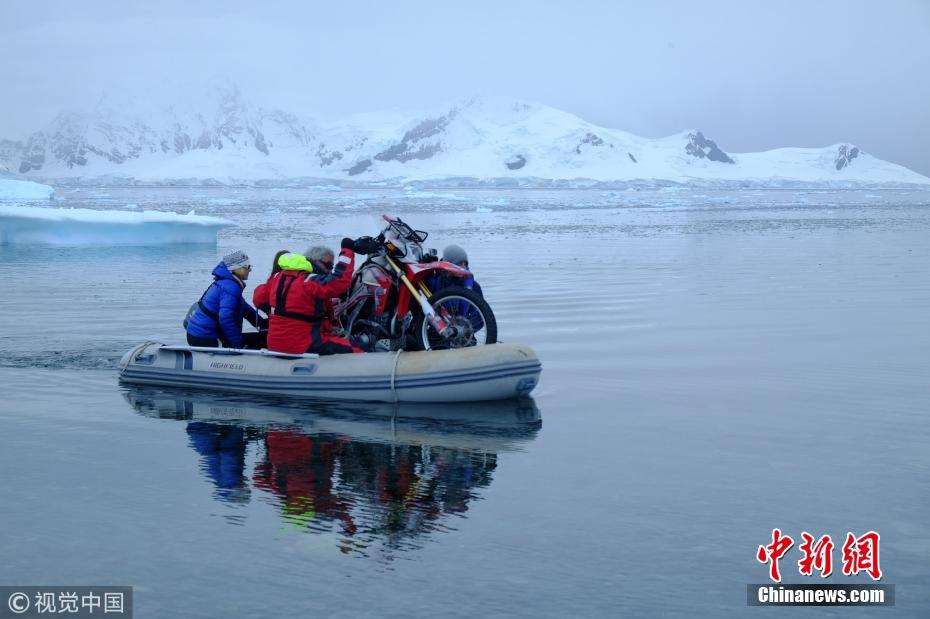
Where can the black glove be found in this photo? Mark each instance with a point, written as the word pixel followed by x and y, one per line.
pixel 364 245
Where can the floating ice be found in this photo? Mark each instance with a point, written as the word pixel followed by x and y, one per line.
pixel 325 188
pixel 431 195
pixel 24 190
pixel 32 225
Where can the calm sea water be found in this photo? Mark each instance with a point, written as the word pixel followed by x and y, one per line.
pixel 716 364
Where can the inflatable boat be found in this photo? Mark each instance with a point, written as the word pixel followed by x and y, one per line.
pixel 492 372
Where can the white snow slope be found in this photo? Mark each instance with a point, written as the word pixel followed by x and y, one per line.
pixel 221 137
pixel 29 225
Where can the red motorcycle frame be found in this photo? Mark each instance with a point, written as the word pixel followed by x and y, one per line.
pixel 400 264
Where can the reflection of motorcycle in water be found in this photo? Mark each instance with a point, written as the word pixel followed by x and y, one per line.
pixel 389 301
pixel 375 475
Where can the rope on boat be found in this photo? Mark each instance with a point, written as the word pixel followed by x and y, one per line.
pixel 138 351
pixel 394 375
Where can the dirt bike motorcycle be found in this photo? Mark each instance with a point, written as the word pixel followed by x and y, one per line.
pixel 389 300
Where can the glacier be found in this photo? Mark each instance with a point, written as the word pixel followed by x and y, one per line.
pixel 30 225
pixel 11 189
pixel 218 138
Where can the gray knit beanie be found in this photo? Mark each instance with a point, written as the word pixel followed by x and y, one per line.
pixel 236 260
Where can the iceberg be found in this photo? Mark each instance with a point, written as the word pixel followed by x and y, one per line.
pixel 22 225
pixel 24 190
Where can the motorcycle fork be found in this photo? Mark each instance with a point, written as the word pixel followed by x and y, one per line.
pixel 425 289
pixel 437 323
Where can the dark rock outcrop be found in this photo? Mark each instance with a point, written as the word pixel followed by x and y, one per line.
pixel 414 145
pixel 260 142
pixel 845 155
pixel 327 157
pixel 359 167
pixel 592 139
pixel 34 155
pixel 404 152
pixel 700 147
pixel 68 141
pixel 205 141
pixel 182 141
pixel 516 163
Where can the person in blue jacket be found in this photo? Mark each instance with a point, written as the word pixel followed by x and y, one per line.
pixel 217 319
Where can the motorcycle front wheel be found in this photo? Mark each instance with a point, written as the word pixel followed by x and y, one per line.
pixel 463 309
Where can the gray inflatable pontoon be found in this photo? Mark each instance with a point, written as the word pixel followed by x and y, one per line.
pixel 493 372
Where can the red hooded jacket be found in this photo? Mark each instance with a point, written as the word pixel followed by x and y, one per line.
pixel 301 304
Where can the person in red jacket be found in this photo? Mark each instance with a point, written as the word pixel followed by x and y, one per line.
pixel 300 298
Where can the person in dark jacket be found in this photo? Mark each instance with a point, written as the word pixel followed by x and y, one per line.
pixel 442 280
pixel 456 255
pixel 260 292
pixel 217 320
pixel 264 310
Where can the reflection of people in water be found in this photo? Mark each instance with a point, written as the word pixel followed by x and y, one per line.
pixel 373 491
pixel 410 486
pixel 299 469
pixel 222 447
pixel 385 492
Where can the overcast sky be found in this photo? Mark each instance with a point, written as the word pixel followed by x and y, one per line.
pixel 751 75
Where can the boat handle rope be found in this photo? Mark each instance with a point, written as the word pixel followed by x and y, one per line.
pixel 143 347
pixel 394 375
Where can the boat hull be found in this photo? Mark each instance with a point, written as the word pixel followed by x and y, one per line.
pixel 494 372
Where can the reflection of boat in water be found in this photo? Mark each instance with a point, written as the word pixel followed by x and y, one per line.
pixel 379 477
pixel 493 426
pixel 494 372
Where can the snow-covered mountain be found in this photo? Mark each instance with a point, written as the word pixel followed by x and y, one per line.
pixel 220 136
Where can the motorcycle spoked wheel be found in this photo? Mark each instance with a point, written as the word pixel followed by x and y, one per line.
pixel 462 308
